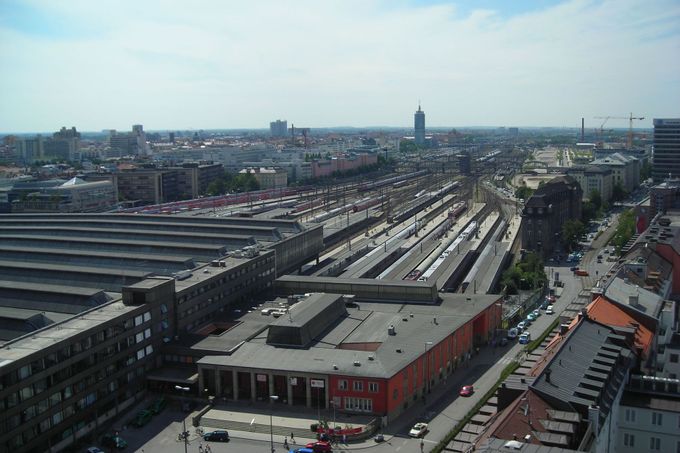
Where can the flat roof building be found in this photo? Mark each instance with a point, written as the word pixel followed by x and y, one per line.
pixel 93 305
pixel 666 157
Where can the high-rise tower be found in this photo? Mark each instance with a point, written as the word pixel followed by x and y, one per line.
pixel 419 124
pixel 666 149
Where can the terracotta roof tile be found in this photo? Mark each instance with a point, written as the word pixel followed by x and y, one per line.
pixel 606 312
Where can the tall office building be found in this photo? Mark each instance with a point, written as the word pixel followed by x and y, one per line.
pixel 666 159
pixel 419 124
pixel 278 128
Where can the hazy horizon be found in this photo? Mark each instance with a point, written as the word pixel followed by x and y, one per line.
pixel 173 65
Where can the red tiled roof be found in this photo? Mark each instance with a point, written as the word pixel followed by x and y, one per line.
pixel 606 312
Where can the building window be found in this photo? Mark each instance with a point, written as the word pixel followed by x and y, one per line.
pixel 359 404
pixel 674 358
pixel 629 440
pixel 342 384
pixel 654 443
pixel 657 418
pixel 373 387
pixel 630 415
pixel 358 386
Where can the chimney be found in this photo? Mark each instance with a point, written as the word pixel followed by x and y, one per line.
pixel 594 419
pixel 583 130
pixel 584 313
pixel 548 371
pixel 563 329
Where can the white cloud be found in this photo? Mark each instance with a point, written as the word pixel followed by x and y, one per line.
pixel 241 64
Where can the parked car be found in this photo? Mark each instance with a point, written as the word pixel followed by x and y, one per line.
pixel 573 268
pixel 114 441
pixel 94 450
pixel 531 318
pixel 525 338
pixel 512 334
pixel 418 430
pixel 581 273
pixel 320 447
pixel 158 405
pixel 521 326
pixel 536 313
pixel 379 438
pixel 549 310
pixel 301 450
pixel 504 341
pixel 466 390
pixel 216 436
pixel 142 418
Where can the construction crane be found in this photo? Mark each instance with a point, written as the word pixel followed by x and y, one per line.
pixel 630 118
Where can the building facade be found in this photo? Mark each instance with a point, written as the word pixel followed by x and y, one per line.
pixel 625 170
pixel 665 196
pixel 278 128
pixel 419 126
pixel 269 178
pixel 546 212
pixel 74 195
pixel 666 154
pixel 591 177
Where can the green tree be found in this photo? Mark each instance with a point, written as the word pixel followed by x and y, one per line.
pixel 625 230
pixel 408 146
pixel 645 171
pixel 524 192
pixel 596 199
pixel 618 192
pixel 529 273
pixel 571 232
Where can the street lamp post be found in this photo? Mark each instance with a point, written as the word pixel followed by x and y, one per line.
pixel 427 367
pixel 272 399
pixel 185 434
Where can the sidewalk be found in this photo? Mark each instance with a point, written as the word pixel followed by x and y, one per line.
pixel 259 422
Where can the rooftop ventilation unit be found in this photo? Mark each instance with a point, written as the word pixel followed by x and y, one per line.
pixel 357 363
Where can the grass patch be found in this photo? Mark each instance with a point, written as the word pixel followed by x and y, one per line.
pixel 507 371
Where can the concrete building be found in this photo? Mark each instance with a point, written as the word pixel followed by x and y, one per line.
pixel 96 308
pixel 74 195
pixel 278 128
pixel 419 126
pixel 268 178
pixel 625 170
pixel 666 154
pixel 129 143
pixel 30 149
pixel 546 211
pixel 648 421
pixel 360 357
pixel 326 167
pixel 665 196
pixel 193 178
pixel 591 177
pixel 64 145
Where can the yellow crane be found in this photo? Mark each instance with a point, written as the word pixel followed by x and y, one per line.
pixel 630 118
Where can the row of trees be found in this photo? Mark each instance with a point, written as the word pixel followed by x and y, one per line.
pixel 625 230
pixel 229 182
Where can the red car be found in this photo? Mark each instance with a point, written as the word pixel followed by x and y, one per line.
pixel 319 447
pixel 467 390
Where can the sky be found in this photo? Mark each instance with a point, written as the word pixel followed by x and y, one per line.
pixel 223 64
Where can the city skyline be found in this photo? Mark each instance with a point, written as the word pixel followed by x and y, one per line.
pixel 175 66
